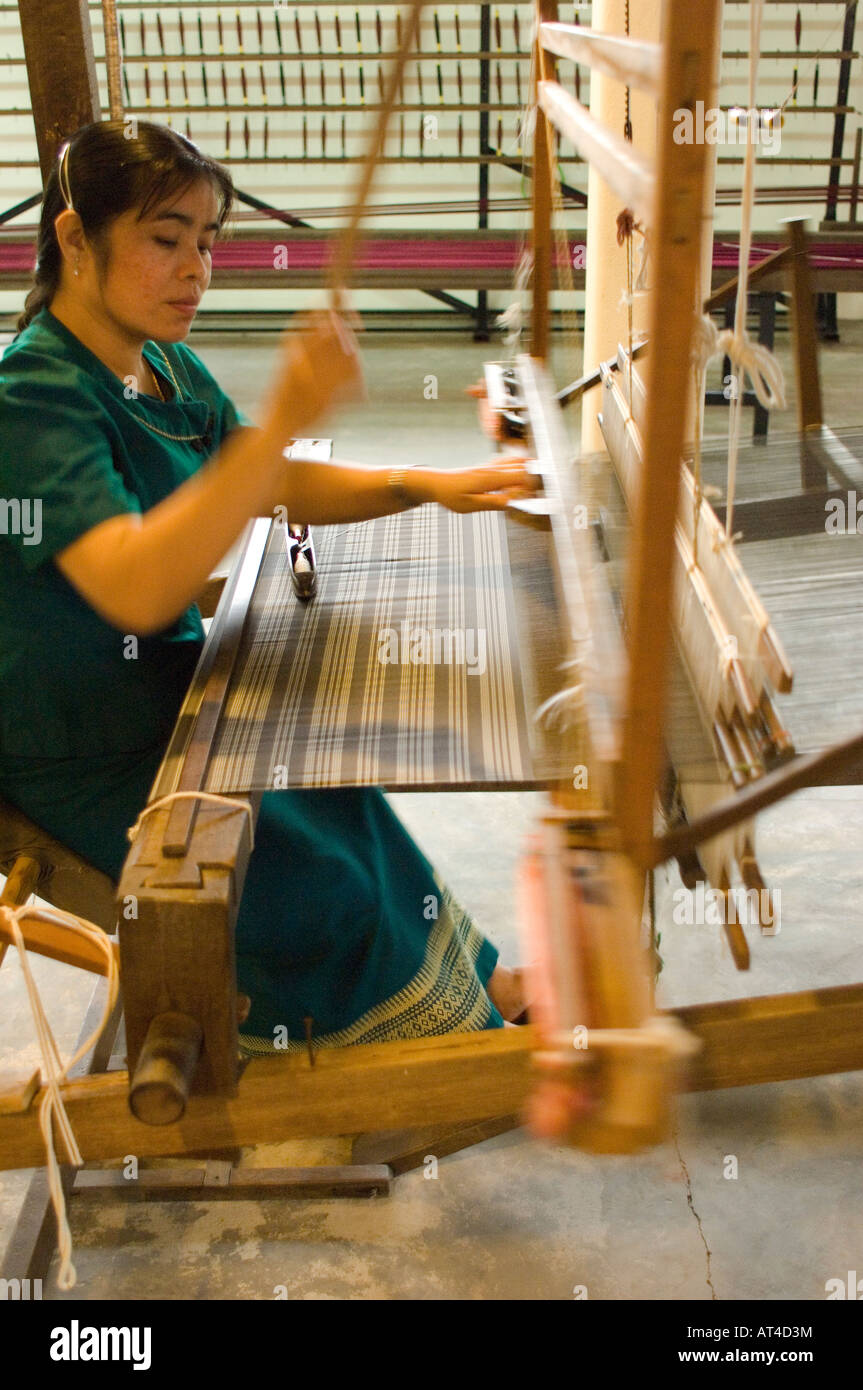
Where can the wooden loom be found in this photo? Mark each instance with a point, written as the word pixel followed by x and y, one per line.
pixel 187 866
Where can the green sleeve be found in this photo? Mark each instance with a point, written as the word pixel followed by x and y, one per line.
pixel 57 474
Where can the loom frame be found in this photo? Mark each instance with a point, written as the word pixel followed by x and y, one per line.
pixel 186 874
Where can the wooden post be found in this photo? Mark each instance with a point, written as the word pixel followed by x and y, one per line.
pixel 675 241
pixel 543 155
pixel 605 314
pixel 855 176
pixel 58 49
pixel 805 342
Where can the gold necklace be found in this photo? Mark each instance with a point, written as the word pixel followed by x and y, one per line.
pixel 177 438
pixel 159 392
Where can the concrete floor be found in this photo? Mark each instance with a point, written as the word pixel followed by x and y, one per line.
pixel 513 1218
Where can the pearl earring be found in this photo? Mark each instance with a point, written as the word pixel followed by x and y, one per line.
pixel 77 268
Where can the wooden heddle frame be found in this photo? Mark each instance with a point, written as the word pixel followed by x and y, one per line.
pixel 583 886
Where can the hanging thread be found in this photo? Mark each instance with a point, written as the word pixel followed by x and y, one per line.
pixel 54 1071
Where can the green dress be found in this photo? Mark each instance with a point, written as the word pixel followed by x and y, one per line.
pixel 342 918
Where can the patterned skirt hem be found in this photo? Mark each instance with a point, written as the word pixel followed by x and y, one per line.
pixel 446 995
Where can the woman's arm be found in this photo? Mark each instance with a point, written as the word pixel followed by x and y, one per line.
pixel 140 573
pixel 324 494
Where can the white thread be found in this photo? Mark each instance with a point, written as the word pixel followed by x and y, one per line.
pixel 641 279
pixel 560 709
pixel 212 797
pixel 747 205
pixel 512 318
pixel 640 287
pixel 765 372
pixel 54 1072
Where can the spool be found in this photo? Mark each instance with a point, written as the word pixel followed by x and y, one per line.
pixel 163 1077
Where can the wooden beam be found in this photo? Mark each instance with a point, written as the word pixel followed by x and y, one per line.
pixel 778 260
pixel 541 196
pixel 628 60
pixel 59 943
pixel 64 91
pixel 18 1086
pixel 428 1081
pixel 775 1037
pixel 223 1182
pixel 805 340
pixel 813 770
pixel 676 251
pixel 208 690
pixel 353 1090
pixel 402 1150
pixel 625 171
pixel 591 634
pixel 186 868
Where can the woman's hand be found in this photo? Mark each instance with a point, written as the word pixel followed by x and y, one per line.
pixel 319 369
pixel 491 488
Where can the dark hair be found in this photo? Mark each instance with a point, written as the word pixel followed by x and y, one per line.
pixel 111 167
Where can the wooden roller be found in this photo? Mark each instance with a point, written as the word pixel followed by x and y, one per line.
pixel 163 1077
pixel 20 884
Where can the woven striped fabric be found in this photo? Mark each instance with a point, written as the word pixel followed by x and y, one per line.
pixel 403 671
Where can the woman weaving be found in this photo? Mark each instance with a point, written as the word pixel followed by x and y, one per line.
pixel 142 476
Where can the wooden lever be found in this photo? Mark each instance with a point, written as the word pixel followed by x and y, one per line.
pixel 163 1077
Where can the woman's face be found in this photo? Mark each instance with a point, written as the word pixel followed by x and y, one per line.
pixel 158 268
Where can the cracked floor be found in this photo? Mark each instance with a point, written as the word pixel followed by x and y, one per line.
pixel 757 1195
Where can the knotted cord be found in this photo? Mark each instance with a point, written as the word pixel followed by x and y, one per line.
pixel 54 1070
